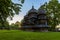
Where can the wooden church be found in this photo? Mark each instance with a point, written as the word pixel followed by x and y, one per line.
pixel 35 20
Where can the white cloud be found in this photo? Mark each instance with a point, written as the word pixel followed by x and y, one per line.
pixel 16 18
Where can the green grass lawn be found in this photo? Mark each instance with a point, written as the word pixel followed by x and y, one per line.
pixel 20 35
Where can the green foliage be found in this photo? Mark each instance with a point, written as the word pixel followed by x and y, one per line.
pixel 53 12
pixel 4 25
pixel 22 1
pixel 8 9
pixel 15 26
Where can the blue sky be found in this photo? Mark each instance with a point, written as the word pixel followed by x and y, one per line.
pixel 26 7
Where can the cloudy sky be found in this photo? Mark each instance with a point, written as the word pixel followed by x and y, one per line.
pixel 26 7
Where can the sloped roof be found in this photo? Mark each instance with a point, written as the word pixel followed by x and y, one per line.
pixel 41 11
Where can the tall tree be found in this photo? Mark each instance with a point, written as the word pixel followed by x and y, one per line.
pixel 9 9
pixel 53 12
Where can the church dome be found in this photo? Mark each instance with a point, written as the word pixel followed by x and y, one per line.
pixel 32 10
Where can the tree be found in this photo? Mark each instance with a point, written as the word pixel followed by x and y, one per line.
pixel 15 26
pixel 8 9
pixel 53 12
pixel 12 26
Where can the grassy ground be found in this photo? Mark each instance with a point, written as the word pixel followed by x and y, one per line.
pixel 20 35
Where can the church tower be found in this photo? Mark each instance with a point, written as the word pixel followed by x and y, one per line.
pixel 35 20
pixel 30 19
pixel 42 20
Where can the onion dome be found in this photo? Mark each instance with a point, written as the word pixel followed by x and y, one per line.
pixel 41 11
pixel 32 10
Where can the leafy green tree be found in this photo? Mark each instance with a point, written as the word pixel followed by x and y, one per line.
pixel 15 26
pixel 53 12
pixel 8 9
pixel 12 26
